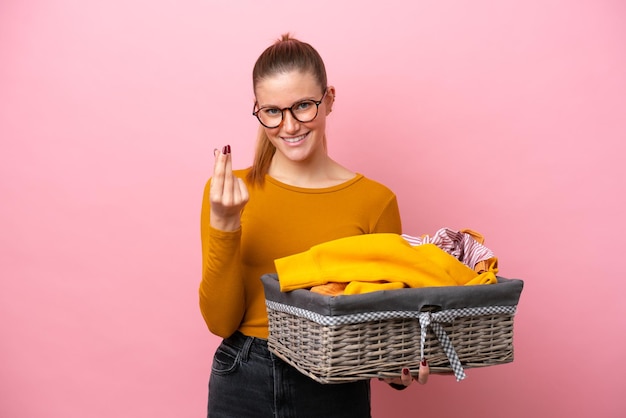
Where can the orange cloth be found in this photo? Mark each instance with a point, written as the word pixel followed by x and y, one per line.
pixel 335 289
pixel 330 289
pixel 371 262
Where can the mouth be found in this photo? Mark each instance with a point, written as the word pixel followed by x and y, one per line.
pixel 295 139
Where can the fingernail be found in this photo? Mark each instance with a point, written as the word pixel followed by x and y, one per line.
pixel 424 362
pixel 224 150
pixel 215 152
pixel 405 371
pixel 227 149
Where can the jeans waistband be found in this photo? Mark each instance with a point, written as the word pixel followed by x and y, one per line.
pixel 248 344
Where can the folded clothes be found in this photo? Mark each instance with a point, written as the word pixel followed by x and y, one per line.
pixel 374 262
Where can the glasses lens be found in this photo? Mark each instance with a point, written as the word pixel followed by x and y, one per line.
pixel 270 116
pixel 305 111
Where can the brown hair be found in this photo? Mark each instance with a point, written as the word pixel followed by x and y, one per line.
pixel 286 54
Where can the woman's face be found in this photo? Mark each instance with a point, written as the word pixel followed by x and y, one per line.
pixel 296 141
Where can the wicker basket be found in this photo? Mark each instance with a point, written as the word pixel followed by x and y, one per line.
pixel 347 338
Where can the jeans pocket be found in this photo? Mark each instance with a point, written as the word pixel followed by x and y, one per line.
pixel 226 359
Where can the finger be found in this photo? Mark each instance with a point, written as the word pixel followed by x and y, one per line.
pixel 424 372
pixel 243 190
pixel 232 193
pixel 217 181
pixel 229 181
pixel 222 173
pixel 406 377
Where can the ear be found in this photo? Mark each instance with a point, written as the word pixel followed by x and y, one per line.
pixel 330 99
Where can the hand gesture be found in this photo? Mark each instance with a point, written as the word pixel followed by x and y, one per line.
pixel 228 193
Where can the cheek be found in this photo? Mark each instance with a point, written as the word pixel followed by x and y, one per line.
pixel 320 123
pixel 272 135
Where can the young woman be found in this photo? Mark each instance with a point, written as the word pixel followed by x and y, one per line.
pixel 293 197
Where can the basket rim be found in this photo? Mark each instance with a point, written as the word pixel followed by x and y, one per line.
pixel 504 293
pixel 363 317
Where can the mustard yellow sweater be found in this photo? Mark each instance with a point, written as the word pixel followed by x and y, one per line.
pixel 278 221
pixel 376 262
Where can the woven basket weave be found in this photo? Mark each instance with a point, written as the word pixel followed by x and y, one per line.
pixel 309 331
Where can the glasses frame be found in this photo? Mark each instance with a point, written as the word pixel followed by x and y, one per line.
pixel 290 108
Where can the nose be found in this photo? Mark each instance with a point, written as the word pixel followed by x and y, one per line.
pixel 290 124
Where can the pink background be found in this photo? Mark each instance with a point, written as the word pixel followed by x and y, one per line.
pixel 504 117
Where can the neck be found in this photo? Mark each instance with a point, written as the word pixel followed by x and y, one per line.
pixel 299 173
pixel 313 173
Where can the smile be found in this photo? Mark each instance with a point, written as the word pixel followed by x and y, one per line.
pixel 295 139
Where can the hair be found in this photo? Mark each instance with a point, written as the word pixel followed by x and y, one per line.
pixel 285 55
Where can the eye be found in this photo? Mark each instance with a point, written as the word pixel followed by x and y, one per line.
pixel 299 107
pixel 271 111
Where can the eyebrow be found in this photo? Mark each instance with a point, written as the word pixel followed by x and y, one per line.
pixel 278 107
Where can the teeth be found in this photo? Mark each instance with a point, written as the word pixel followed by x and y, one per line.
pixel 296 139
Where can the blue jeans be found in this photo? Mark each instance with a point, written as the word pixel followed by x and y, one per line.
pixel 249 381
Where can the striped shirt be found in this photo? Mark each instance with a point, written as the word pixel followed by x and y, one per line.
pixel 460 244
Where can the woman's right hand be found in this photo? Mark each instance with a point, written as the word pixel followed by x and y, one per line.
pixel 228 194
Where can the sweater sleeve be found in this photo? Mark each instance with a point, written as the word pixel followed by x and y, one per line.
pixel 389 219
pixel 222 295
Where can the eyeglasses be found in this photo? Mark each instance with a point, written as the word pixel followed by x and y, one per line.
pixel 303 111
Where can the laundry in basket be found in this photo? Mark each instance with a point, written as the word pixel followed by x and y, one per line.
pixel 335 339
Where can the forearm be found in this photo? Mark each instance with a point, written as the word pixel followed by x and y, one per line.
pixel 221 293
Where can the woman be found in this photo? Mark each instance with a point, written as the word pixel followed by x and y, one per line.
pixel 280 206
